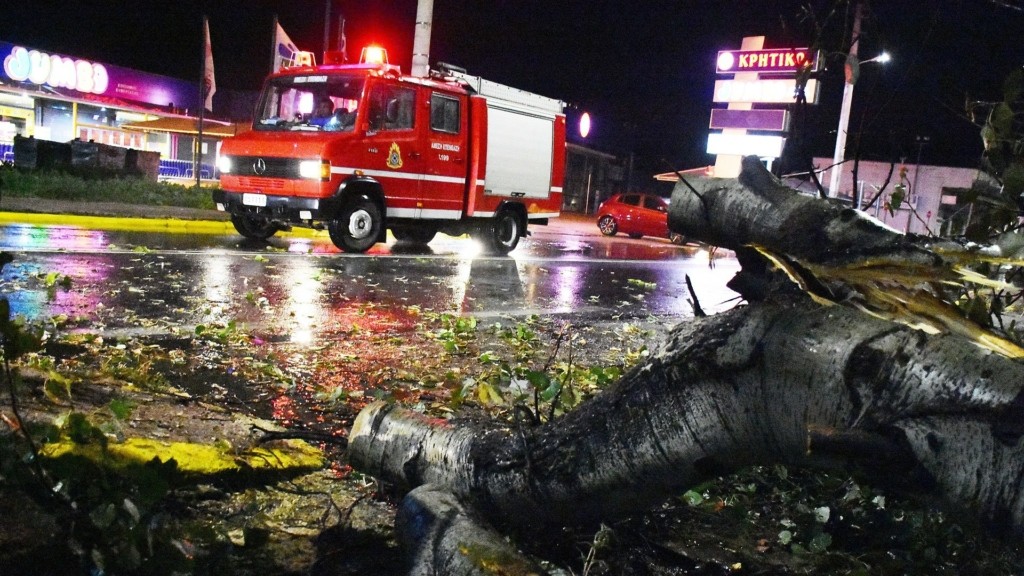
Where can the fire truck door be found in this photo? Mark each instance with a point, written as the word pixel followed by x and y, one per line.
pixel 397 153
pixel 443 188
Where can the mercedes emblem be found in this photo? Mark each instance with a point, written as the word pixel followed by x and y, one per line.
pixel 259 166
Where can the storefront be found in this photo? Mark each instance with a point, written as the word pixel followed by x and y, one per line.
pixel 61 98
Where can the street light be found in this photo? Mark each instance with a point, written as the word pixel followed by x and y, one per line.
pixel 852 71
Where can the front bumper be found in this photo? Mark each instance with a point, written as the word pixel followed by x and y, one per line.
pixel 279 208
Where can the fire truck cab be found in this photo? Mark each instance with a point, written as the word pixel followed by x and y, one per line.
pixel 361 148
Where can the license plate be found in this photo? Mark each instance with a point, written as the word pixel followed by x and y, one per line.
pixel 254 199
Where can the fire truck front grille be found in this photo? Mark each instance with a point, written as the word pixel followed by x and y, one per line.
pixel 266 167
pixel 265 183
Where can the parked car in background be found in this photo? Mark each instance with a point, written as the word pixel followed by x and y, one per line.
pixel 636 215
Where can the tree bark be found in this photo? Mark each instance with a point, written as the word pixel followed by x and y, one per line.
pixel 783 380
pixel 749 386
pixel 756 209
pixel 442 538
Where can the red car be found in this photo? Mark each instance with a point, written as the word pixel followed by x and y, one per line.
pixel 636 215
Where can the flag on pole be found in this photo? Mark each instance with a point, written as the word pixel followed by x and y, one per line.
pixel 342 42
pixel 284 49
pixel 209 84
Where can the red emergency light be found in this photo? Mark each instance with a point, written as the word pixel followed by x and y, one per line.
pixel 373 55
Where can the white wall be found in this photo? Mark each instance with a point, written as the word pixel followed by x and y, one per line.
pixel 920 216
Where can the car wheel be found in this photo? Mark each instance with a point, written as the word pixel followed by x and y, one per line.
pixel 253 227
pixel 357 226
pixel 501 235
pixel 414 234
pixel 677 239
pixel 608 226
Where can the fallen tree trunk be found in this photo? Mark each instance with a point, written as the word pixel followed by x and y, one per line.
pixel 756 209
pixel 749 386
pixel 441 537
pixel 784 380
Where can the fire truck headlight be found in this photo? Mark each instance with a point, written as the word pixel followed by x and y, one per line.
pixel 315 169
pixel 224 164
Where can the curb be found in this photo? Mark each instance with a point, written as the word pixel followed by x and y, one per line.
pixel 133 224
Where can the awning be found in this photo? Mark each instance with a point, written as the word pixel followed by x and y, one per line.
pixel 703 171
pixel 190 126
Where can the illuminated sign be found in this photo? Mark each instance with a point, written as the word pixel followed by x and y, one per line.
pixel 776 119
pixel 585 124
pixel 781 60
pixel 745 145
pixel 781 91
pixel 23 65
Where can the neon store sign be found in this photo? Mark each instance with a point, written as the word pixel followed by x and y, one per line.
pixel 37 67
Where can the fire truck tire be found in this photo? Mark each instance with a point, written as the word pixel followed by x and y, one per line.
pixel 414 234
pixel 503 233
pixel 253 227
pixel 357 227
pixel 608 226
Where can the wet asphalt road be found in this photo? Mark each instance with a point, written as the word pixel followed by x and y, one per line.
pixel 132 280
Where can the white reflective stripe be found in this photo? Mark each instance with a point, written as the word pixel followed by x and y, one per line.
pixel 402 212
pixel 399 175
pixel 556 188
pixel 532 216
pixel 425 213
pixel 441 214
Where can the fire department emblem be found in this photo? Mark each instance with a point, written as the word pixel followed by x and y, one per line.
pixel 394 157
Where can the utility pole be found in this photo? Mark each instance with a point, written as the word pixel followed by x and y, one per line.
pixel 421 40
pixel 327 26
pixel 844 113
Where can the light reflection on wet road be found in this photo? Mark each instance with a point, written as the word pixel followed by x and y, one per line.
pixel 125 281
pixel 337 321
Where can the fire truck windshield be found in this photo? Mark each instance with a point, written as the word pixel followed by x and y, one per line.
pixel 315 102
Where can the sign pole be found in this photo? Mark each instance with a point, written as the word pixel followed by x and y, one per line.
pixel 728 165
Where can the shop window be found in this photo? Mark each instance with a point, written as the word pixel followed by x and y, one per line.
pixel 95 115
pixel 11 127
pixel 55 121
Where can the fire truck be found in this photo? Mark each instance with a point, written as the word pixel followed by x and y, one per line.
pixel 359 149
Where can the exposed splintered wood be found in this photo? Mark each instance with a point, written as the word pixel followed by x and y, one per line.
pixel 749 386
pixel 835 254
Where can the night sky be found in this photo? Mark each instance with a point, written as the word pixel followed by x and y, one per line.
pixel 643 69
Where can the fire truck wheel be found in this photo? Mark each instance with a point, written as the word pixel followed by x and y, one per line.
pixel 502 236
pixel 608 226
pixel 357 227
pixel 253 227
pixel 414 234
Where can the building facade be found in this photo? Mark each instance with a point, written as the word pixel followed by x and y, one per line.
pixel 62 98
pixel 931 198
pixel 590 178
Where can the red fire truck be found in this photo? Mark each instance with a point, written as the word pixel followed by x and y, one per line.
pixel 361 148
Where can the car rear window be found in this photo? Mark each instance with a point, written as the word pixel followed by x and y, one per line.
pixel 654 203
